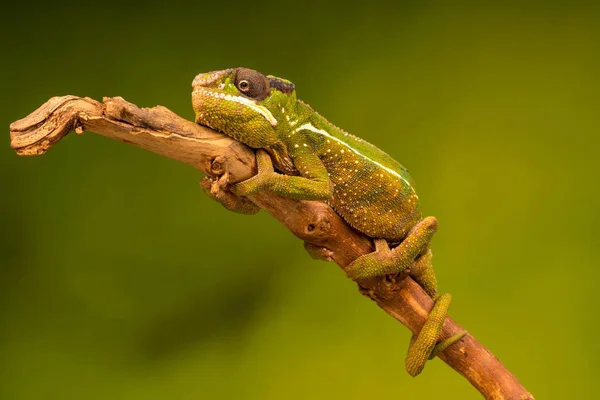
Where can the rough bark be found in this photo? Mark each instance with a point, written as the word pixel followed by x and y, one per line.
pixel 164 132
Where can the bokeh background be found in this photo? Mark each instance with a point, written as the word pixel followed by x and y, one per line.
pixel 119 279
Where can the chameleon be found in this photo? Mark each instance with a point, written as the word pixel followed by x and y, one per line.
pixel 301 155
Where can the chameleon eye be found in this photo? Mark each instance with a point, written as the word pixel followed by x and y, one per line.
pixel 244 85
pixel 252 83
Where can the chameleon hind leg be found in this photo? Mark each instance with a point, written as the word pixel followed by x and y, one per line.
pixel 412 252
pixel 422 272
pixel 384 261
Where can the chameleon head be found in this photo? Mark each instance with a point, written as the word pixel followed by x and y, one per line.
pixel 242 103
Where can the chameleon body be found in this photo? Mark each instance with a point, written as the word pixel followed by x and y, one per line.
pixel 316 160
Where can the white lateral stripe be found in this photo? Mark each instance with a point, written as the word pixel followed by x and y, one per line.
pixel 258 108
pixel 311 128
pixel 244 101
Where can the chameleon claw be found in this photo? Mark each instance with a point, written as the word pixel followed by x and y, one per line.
pixel 258 181
pixel 214 188
pixel 318 252
pixel 219 183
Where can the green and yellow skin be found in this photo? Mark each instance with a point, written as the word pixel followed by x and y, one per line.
pixel 316 160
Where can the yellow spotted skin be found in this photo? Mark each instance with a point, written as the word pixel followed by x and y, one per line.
pixel 303 156
pixel 371 191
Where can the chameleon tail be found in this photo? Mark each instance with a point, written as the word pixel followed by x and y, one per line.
pixel 423 346
pixel 413 252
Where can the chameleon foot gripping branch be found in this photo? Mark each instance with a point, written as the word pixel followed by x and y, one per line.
pixel 229 162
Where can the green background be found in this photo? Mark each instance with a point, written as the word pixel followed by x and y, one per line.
pixel 119 279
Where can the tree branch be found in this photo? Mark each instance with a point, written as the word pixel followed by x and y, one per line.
pixel 164 132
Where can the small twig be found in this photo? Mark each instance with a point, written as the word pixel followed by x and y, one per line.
pixel 164 132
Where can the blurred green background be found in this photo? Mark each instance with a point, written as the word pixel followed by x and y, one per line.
pixel 121 280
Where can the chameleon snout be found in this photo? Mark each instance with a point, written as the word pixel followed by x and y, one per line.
pixel 208 78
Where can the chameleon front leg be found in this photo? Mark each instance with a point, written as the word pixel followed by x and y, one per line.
pixel 314 184
pixel 412 252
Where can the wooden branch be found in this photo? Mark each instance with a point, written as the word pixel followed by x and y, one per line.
pixel 164 132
